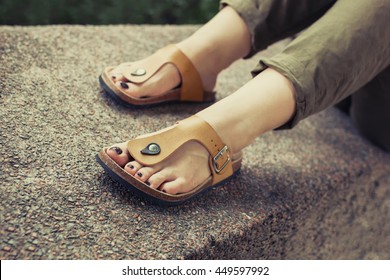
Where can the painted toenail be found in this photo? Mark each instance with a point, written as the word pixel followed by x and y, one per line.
pixel 147 182
pixel 113 77
pixel 139 174
pixel 124 85
pixel 130 166
pixel 117 150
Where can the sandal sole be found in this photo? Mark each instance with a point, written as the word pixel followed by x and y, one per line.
pixel 119 100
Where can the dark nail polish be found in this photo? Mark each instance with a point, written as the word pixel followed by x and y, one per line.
pixel 124 85
pixel 117 150
pixel 130 166
pixel 113 77
pixel 147 183
pixel 139 174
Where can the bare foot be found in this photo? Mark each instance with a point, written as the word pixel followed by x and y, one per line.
pixel 210 49
pixel 172 175
pixel 166 78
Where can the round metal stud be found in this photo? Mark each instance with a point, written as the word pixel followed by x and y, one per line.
pixel 139 72
pixel 151 149
pixel 154 148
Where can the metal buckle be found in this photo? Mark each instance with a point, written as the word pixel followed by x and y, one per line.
pixel 220 153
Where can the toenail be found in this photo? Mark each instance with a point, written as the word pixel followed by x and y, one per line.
pixel 113 77
pixel 139 174
pixel 124 85
pixel 147 182
pixel 130 166
pixel 117 150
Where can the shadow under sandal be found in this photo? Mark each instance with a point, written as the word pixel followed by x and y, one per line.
pixel 151 150
pixel 190 89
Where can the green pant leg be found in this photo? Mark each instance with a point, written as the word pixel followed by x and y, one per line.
pixel 370 109
pixel 338 54
pixel 272 20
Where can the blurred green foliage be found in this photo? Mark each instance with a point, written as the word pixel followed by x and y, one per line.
pixel 37 12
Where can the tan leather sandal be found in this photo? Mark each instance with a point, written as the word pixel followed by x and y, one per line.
pixel 153 149
pixel 190 90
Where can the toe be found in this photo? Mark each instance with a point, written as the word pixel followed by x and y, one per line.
pixel 173 187
pixel 133 90
pixel 117 72
pixel 117 77
pixel 132 167
pixel 118 153
pixel 123 85
pixel 158 178
pixel 143 174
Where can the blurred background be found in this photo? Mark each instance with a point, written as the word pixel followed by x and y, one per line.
pixel 41 12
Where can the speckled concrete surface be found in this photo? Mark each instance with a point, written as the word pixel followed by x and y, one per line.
pixel 318 191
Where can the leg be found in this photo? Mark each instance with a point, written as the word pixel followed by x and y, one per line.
pixel 337 55
pixel 272 20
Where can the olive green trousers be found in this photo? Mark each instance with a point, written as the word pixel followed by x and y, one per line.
pixel 342 52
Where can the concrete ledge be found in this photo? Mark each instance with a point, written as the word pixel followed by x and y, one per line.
pixel 316 192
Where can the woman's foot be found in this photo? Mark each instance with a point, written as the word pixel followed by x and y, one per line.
pixel 210 49
pixel 172 175
pixel 266 102
pixel 165 79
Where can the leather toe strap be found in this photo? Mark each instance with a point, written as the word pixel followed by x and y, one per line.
pixel 153 149
pixel 191 83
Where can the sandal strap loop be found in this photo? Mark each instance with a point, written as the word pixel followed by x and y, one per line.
pixel 191 83
pixel 168 141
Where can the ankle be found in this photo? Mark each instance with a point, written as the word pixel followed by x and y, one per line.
pixel 204 60
pixel 211 49
pixel 212 42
